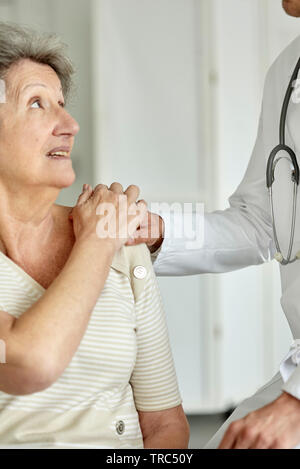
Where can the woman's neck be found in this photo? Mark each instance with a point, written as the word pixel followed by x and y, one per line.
pixel 20 236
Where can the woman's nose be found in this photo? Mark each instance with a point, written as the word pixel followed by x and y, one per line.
pixel 66 124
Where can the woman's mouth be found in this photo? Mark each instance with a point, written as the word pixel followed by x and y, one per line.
pixel 58 155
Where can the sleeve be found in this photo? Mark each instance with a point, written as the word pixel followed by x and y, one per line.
pixel 234 238
pixel 153 379
pixel 155 254
pixel 290 370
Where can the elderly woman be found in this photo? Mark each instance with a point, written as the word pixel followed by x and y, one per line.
pixel 88 361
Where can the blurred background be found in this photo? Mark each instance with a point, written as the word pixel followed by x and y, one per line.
pixel 168 97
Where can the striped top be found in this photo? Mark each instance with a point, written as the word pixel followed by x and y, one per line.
pixel 123 364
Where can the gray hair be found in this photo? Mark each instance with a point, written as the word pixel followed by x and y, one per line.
pixel 20 42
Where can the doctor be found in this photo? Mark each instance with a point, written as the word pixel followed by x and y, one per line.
pixel 245 235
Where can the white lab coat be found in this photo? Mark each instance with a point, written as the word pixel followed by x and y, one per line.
pixel 242 235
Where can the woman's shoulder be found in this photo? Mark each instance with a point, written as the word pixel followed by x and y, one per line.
pixel 128 258
pixel 134 262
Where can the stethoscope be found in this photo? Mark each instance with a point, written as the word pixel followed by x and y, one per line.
pixel 294 175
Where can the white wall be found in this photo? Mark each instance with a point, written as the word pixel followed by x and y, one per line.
pixel 147 82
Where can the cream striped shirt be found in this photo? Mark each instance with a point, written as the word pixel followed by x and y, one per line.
pixel 123 364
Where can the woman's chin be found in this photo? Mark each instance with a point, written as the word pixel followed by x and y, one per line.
pixel 68 182
pixel 64 179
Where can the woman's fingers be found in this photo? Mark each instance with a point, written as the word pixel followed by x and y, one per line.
pixel 117 188
pixel 100 188
pixel 86 192
pixel 83 197
pixel 132 192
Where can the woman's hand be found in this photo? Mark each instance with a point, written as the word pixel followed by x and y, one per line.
pixel 107 214
pixel 274 426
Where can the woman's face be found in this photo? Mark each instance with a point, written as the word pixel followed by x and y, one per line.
pixel 33 122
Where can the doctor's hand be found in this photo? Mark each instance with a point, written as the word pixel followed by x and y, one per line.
pixel 274 426
pixel 150 231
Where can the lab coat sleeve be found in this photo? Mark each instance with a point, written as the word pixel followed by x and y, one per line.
pixel 233 238
pixel 290 370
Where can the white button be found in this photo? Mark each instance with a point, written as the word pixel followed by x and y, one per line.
pixel 120 427
pixel 140 272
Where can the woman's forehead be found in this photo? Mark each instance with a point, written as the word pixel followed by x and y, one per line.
pixel 26 74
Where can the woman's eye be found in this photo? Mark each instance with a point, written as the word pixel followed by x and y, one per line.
pixel 36 104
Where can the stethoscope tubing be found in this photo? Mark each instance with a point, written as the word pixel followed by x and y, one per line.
pixel 270 171
pixel 285 105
